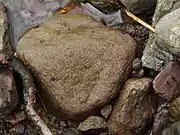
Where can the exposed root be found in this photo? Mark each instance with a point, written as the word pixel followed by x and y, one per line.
pixel 28 91
pixel 31 112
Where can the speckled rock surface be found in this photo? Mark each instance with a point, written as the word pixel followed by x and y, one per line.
pixel 168 35
pixel 133 109
pixel 80 64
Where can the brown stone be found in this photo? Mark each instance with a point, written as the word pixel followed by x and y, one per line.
pixel 93 125
pixel 167 82
pixel 133 107
pixel 79 64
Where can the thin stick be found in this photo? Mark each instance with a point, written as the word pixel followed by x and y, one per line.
pixel 140 21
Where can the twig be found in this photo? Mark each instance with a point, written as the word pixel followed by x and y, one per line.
pixel 140 21
pixel 29 89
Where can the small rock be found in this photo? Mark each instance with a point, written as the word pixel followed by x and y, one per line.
pixel 62 124
pixel 106 111
pixel 167 82
pixel 72 124
pixel 140 6
pixel 133 109
pixel 16 118
pixel 137 64
pixel 93 125
pixel 175 109
pixel 139 73
pixel 8 92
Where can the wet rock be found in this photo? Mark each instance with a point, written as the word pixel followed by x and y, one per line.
pixel 167 82
pixel 140 6
pixel 79 64
pixel 173 129
pixel 133 109
pixel 8 92
pixel 106 111
pixel 154 56
pixel 93 125
pixel 167 30
pixel 71 131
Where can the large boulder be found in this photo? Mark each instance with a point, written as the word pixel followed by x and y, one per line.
pixel 154 56
pixel 168 32
pixel 133 109
pixel 79 64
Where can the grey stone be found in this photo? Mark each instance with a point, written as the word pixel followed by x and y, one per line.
pixel 93 125
pixel 139 6
pixel 106 111
pixel 137 64
pixel 154 56
pixel 133 108
pixel 168 32
pixel 79 63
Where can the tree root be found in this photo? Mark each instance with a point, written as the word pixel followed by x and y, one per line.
pixel 29 89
